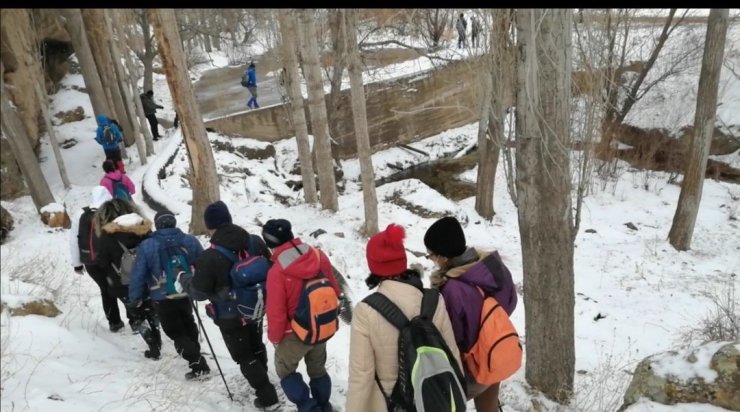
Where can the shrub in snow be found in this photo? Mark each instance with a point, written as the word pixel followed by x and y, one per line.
pixel 6 224
pixel 41 307
pixel 706 374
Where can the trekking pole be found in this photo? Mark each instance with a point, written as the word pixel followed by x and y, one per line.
pixel 200 322
pixel 200 327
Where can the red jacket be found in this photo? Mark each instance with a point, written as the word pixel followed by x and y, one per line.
pixel 285 282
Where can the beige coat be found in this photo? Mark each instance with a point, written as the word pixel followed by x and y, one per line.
pixel 374 346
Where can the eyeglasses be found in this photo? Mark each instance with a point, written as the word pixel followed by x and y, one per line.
pixel 430 256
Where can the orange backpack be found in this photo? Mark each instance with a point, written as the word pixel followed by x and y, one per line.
pixel 316 318
pixel 497 353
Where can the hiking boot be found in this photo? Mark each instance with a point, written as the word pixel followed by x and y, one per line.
pixel 153 354
pixel 197 374
pixel 115 327
pixel 259 404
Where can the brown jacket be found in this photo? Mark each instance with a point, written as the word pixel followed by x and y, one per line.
pixel 374 345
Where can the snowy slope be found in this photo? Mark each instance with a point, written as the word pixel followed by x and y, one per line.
pixel 635 294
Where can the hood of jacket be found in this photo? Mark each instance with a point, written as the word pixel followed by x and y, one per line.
pixel 98 196
pixel 460 269
pixel 115 175
pixel 167 233
pixel 306 260
pixel 130 223
pixel 231 237
pixel 102 120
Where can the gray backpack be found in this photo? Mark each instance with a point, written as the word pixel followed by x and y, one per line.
pixel 127 263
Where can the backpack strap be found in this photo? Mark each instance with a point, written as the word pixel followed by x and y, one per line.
pixel 387 309
pixel 228 254
pixel 125 249
pixel 429 303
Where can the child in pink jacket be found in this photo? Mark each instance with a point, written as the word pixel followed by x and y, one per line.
pixel 112 175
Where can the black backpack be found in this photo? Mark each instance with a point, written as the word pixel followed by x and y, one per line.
pixel 86 238
pixel 436 384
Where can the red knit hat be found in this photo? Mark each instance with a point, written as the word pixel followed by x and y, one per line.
pixel 386 255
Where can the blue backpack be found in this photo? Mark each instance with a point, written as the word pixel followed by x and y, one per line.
pixel 119 189
pixel 174 259
pixel 247 294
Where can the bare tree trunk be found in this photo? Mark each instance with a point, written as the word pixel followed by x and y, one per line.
pixel 339 47
pixel 543 190
pixel 143 125
pixel 317 107
pixel 150 51
pixel 204 36
pixel 124 86
pixel 44 99
pixel 20 145
pixel 289 37
pixel 76 29
pixel 684 220
pixel 99 44
pixel 359 112
pixel 204 181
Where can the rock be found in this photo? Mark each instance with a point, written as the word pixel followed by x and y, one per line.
pixel 339 234
pixel 70 116
pixel 11 179
pixel 707 374
pixel 315 234
pixel 631 225
pixel 41 307
pixel 6 224
pixel 590 230
pixel 56 219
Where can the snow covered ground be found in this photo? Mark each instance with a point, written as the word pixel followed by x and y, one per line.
pixel 635 294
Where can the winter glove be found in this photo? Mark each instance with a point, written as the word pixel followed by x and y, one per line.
pixel 79 270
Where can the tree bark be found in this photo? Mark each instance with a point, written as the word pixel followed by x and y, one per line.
pixel 123 84
pixel 317 107
pixel 94 20
pixel 289 37
pixel 44 99
pixel 684 220
pixel 543 190
pixel 339 46
pixel 204 181
pixel 359 112
pixel 20 144
pixel 143 122
pixel 150 51
pixel 76 29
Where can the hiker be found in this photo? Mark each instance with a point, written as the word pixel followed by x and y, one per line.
pixel 251 85
pixel 212 280
pixel 82 249
pixel 121 229
pixel 110 136
pixel 461 25
pixel 150 111
pixel 159 260
pixel 302 314
pixel 373 353
pixel 118 184
pixel 474 31
pixel 465 276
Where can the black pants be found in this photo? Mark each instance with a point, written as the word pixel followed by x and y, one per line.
pixel 114 155
pixel 145 320
pixel 153 123
pixel 247 349
pixel 110 303
pixel 176 318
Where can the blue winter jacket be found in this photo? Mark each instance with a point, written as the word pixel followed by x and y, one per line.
pixel 251 77
pixel 102 122
pixel 148 268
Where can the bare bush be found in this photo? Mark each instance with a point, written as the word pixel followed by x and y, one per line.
pixel 722 322
pixel 432 23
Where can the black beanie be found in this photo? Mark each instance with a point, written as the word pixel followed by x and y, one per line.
pixel 164 220
pixel 276 232
pixel 445 237
pixel 216 215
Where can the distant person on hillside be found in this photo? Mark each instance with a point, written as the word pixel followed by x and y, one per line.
pixel 110 136
pixel 474 31
pixel 150 111
pixel 118 184
pixel 251 85
pixel 461 27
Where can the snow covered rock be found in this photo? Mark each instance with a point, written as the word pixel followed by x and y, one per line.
pixel 75 115
pixel 707 374
pixel 54 215
pixel 41 307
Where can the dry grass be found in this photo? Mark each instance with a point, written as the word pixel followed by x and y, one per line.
pixel 722 322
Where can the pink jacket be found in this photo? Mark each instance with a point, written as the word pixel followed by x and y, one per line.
pixel 117 175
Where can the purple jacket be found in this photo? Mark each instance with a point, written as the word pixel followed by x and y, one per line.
pixel 463 299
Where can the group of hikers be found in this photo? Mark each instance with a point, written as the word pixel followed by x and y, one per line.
pixel 461 25
pixel 411 348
